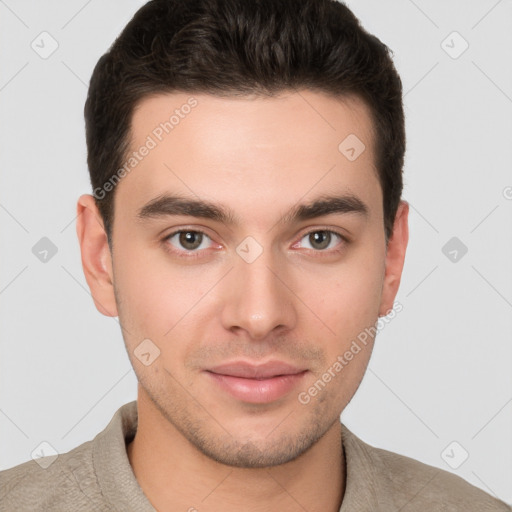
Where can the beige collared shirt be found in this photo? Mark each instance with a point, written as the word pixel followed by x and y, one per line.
pixel 97 476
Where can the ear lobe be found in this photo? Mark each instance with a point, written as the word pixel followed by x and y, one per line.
pixel 395 256
pixel 96 256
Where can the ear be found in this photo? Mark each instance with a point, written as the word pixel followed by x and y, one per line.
pixel 395 256
pixel 96 256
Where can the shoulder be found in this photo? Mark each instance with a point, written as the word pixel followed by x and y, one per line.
pixel 430 486
pixel 50 484
pixel 413 485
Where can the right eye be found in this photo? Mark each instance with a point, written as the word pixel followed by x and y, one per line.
pixel 189 240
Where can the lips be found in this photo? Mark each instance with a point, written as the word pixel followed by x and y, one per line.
pixel 256 384
pixel 263 371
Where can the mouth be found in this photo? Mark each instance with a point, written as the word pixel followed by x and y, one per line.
pixel 251 383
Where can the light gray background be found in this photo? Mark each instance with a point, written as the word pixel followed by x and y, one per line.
pixel 441 370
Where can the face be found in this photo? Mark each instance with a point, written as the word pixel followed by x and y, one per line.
pixel 250 250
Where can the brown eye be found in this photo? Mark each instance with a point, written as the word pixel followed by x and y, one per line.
pixel 321 240
pixel 189 240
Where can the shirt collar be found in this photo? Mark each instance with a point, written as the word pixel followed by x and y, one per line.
pixel 366 486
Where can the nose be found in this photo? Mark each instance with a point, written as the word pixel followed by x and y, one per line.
pixel 258 299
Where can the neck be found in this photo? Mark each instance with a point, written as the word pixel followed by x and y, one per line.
pixel 175 475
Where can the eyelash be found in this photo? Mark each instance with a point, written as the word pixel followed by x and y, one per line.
pixel 198 253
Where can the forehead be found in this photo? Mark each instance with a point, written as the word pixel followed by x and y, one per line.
pixel 251 150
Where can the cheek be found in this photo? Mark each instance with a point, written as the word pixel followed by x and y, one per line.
pixel 156 304
pixel 348 303
pixel 347 296
pixel 157 298
pixel 142 292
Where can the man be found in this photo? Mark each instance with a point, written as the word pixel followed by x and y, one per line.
pixel 246 227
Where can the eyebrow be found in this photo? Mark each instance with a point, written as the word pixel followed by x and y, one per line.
pixel 170 205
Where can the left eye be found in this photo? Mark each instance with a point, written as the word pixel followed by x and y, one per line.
pixel 189 240
pixel 321 240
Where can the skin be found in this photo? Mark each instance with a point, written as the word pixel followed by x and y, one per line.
pixel 196 446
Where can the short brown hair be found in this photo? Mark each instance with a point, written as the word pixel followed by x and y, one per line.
pixel 237 47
